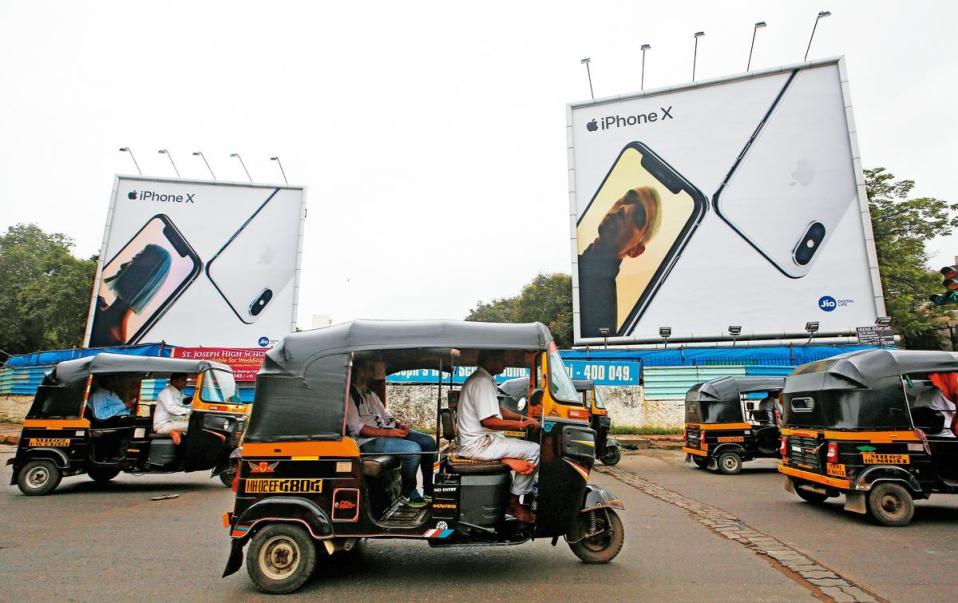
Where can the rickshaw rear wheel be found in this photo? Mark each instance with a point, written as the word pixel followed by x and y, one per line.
pixel 604 546
pixel 612 456
pixel 281 557
pixel 102 474
pixel 815 498
pixel 39 477
pixel 729 463
pixel 891 504
pixel 700 462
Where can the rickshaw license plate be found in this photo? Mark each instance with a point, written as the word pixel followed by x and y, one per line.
pixel 48 442
pixel 724 439
pixel 835 469
pixel 284 486
pixel 870 458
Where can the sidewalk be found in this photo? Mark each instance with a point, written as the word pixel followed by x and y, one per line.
pixel 10 433
pixel 644 442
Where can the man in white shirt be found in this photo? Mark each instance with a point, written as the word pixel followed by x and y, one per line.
pixel 377 431
pixel 479 421
pixel 171 415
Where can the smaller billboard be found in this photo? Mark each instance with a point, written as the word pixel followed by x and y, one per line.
pixel 245 362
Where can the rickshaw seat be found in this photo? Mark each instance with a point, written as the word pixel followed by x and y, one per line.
pixel 379 465
pixel 463 466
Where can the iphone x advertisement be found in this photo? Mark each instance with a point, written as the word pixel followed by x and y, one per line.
pixel 197 263
pixel 735 203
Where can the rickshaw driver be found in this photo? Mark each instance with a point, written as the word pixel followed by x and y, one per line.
pixel 171 415
pixel 479 418
pixel 377 431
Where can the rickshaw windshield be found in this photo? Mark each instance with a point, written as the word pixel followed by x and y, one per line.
pixel 559 383
pixel 219 386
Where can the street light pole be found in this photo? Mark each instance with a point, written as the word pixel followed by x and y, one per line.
pixel 281 170
pixel 755 29
pixel 695 52
pixel 821 15
pixel 644 48
pixel 244 166
pixel 170 157
pixel 130 151
pixel 203 157
pixel 588 72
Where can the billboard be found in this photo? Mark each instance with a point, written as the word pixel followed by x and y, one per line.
pixel 197 263
pixel 730 202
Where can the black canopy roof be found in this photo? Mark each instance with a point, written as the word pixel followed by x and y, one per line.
pixel 864 369
pixel 298 350
pixel 731 388
pixel 122 363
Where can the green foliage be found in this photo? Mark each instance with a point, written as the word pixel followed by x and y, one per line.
pixel 546 299
pixel 44 291
pixel 901 227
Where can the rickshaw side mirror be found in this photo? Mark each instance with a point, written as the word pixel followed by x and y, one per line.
pixel 535 399
pixel 750 405
pixel 521 404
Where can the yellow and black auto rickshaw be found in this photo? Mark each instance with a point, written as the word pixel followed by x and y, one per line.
pixel 304 487
pixel 607 449
pixel 877 426
pixel 724 428
pixel 62 437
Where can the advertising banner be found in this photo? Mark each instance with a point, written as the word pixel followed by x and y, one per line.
pixel 197 264
pixel 732 202
pixel 245 362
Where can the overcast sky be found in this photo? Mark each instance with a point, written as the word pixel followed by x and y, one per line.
pixel 430 136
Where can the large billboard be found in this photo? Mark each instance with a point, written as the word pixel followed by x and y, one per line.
pixel 732 202
pixel 197 263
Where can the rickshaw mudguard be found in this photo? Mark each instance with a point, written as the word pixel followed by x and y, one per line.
pixel 235 560
pixel 597 497
pixel 285 508
pixel 728 446
pixel 886 473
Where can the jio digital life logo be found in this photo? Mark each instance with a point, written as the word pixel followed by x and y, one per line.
pixel 827 303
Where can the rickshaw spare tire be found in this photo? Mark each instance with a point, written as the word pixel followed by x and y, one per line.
pixel 280 558
pixel 700 462
pixel 39 477
pixel 729 463
pixel 227 477
pixel 612 456
pixel 891 504
pixel 603 547
pixel 101 475
pixel 809 496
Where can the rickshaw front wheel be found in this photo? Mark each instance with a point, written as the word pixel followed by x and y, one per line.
pixel 612 456
pixel 280 558
pixel 891 504
pixel 39 477
pixel 605 544
pixel 102 475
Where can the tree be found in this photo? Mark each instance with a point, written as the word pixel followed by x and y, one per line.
pixel 901 227
pixel 546 299
pixel 44 290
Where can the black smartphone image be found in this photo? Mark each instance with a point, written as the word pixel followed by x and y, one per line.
pixel 629 237
pixel 141 282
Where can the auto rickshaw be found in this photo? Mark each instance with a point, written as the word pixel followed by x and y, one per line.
pixel 723 428
pixel 304 486
pixel 877 426
pixel 61 437
pixel 607 449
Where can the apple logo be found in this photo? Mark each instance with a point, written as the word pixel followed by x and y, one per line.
pixel 803 173
pixel 591 126
pixel 267 256
pixel 131 195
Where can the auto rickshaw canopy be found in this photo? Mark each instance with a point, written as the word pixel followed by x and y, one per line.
pixel 720 400
pixel 69 370
pixel 859 390
pixel 301 387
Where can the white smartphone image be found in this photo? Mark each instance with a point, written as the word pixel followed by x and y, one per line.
pixel 254 267
pixel 794 180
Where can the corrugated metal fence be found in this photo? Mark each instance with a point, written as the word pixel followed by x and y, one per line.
pixel 671 382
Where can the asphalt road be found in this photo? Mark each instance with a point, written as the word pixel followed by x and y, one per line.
pixel 88 542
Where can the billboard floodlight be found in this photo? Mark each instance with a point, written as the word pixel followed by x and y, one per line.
pixel 170 157
pixel 821 15
pixel 281 170
pixel 643 48
pixel 695 52
pixel 588 72
pixel 237 155
pixel 130 151
pixel 758 25
pixel 203 157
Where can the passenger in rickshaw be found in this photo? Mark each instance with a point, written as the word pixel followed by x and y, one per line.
pixel 942 399
pixel 478 422
pixel 106 404
pixel 377 431
pixel 171 415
